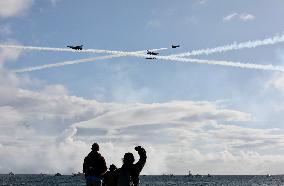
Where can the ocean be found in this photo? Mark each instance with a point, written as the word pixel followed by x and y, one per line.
pixel 36 180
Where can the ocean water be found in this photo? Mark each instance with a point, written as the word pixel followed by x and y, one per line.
pixel 36 180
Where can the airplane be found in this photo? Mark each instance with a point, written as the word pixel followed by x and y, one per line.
pixel 150 58
pixel 175 46
pixel 152 53
pixel 78 47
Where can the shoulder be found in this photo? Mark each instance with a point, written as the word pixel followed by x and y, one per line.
pixel 90 155
pixel 99 156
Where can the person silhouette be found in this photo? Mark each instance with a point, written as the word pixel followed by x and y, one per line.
pixel 109 176
pixel 94 167
pixel 128 174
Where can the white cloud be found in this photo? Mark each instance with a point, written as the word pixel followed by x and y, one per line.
pixel 191 134
pixel 8 55
pixel 53 90
pixel 240 17
pixel 9 116
pixel 247 17
pixel 9 8
pixel 143 114
pixel 230 17
pixel 276 81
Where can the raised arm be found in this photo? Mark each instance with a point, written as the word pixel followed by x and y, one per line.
pixel 142 159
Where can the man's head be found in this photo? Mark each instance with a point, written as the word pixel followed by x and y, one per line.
pixel 112 167
pixel 128 158
pixel 95 147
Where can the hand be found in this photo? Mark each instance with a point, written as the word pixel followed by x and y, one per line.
pixel 140 150
pixel 137 148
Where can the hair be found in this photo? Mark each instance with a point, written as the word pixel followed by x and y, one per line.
pixel 112 167
pixel 95 147
pixel 128 158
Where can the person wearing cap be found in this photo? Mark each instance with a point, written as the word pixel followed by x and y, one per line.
pixel 94 167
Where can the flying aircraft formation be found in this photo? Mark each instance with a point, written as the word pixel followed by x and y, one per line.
pixel 153 54
pixel 78 47
pixel 156 53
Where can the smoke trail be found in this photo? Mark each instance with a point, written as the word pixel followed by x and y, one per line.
pixel 167 58
pixel 216 62
pixel 97 51
pixel 229 64
pixel 86 60
pixel 71 62
pixel 234 46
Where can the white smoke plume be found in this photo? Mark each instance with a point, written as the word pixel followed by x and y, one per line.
pixel 97 51
pixel 71 62
pixel 177 57
pixel 85 60
pixel 222 63
pixel 234 46
pixel 228 63
pixel 167 58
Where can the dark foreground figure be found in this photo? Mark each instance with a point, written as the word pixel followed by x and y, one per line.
pixel 94 167
pixel 128 174
pixel 110 176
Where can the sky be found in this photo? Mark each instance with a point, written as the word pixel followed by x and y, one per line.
pixel 202 118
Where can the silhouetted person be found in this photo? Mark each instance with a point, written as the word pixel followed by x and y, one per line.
pixel 94 167
pixel 109 176
pixel 128 174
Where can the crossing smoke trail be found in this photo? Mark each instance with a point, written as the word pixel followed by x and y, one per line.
pixel 177 57
pixel 71 62
pixel 222 63
pixel 86 60
pixel 167 58
pixel 230 64
pixel 97 51
pixel 234 46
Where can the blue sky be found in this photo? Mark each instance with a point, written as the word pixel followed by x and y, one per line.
pixel 126 101
pixel 136 26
